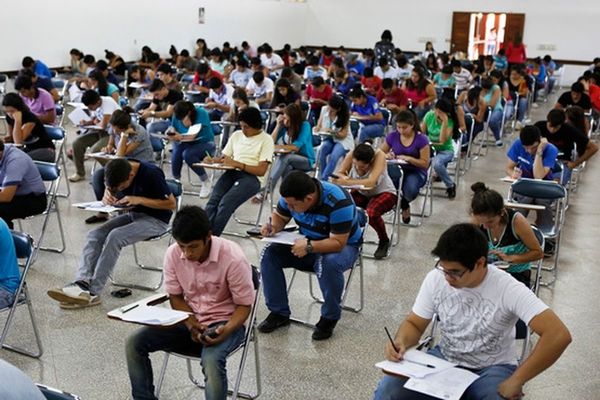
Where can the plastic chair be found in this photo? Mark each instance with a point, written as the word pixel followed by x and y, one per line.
pixel 59 137
pixel 24 250
pixel 244 347
pixel 177 191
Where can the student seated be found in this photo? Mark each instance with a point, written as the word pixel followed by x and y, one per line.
pixel 410 146
pixel 476 305
pixel 191 147
pixel 366 110
pixel 270 59
pixel 444 82
pixel 575 97
pixel 98 82
pixel 185 62
pixel 241 75
pixel 385 70
pixel 96 137
pixel 574 146
pixel 42 83
pixel 115 63
pixel 261 88
pixel 492 96
pixel 420 92
pixel 128 183
pixel 354 66
pixel 22 191
pixel 334 120
pixel 25 130
pixel 461 75
pixel 314 69
pixel 329 221
pixel 36 66
pixel 517 84
pixel 10 276
pixel 200 81
pixel 539 75
pixel 343 82
pixel 284 95
pixel 249 151
pixel 318 94
pixel 292 133
pixel 367 167
pixel 441 126
pixel 370 82
pixel 470 102
pixel 39 101
pixel 404 68
pixel 293 78
pixel 531 156
pixel 391 96
pixel 210 278
pixel 219 98
pixel 160 110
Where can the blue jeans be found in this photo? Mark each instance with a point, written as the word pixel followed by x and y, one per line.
pixel 328 267
pixel 370 131
pixel 190 152
pixel 411 184
pixel 440 166
pixel 231 191
pixel 335 151
pixel 159 126
pixel 496 123
pixel 98 183
pixel 177 339
pixel 6 298
pixel 286 163
pixel 484 388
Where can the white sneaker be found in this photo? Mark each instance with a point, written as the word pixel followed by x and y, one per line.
pixel 518 126
pixel 76 178
pixel 73 294
pixel 535 105
pixel 205 189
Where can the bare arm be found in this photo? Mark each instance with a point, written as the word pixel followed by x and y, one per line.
pixel 158 204
pixel 7 193
pixel 525 233
pixel 408 335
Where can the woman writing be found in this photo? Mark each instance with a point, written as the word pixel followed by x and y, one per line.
pixel 334 121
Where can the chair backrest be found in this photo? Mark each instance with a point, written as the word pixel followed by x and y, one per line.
pixel 49 171
pixel 23 244
pixel 177 189
pixel 55 132
pixel 539 189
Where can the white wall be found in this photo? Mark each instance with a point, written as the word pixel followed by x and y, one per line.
pixel 571 26
pixel 124 26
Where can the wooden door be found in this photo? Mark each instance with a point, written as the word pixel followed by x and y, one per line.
pixel 459 40
pixel 515 25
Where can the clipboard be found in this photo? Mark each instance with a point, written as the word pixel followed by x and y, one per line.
pixel 121 313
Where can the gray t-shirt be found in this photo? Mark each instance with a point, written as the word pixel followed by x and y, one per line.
pixel 17 168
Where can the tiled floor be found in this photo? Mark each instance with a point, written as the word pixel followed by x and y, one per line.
pixel 84 349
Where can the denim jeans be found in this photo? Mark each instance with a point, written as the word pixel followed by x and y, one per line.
pixel 286 163
pixel 496 123
pixel 159 126
pixel 92 138
pixel 412 183
pixel 190 152
pixel 484 388
pixel 440 166
pixel 103 245
pixel 370 132
pixel 6 298
pixel 231 191
pixel 177 339
pixel 329 268
pixel 335 151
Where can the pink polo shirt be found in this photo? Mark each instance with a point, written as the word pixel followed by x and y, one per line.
pixel 215 287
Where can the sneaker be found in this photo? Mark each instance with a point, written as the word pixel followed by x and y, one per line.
pixel 273 322
pixel 74 306
pixel 324 329
pixel 535 105
pixel 549 248
pixel 76 178
pixel 382 249
pixel 205 190
pixel 74 293
pixel 451 192
pixel 258 198
pixel 518 126
pixel 499 143
pixel 406 216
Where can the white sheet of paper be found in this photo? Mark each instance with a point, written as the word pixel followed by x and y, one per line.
pixel 194 129
pixel 102 155
pixel 137 85
pixel 508 179
pixel 357 187
pixel 412 370
pixel 449 384
pixel 78 115
pixel 397 161
pixel 152 315
pixel 283 237
pixel 213 165
pixel 98 206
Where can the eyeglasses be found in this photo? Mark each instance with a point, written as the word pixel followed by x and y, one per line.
pixel 451 274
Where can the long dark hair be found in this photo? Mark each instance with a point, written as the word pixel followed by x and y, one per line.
pixel 446 106
pixel 343 113
pixel 423 82
pixel 294 113
pixel 487 201
pixel 102 83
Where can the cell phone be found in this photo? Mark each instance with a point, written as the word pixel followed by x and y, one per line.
pixel 121 293
pixel 211 331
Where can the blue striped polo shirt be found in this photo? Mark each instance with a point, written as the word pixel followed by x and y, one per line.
pixel 334 212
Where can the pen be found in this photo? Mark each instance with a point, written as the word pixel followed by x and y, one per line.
pixel 405 359
pixel 270 225
pixel 124 310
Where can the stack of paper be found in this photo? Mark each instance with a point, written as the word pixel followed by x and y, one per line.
pixel 152 315
pixel 283 237
pixel 98 206
pixel 78 115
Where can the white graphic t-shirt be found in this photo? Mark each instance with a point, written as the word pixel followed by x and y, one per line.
pixel 477 325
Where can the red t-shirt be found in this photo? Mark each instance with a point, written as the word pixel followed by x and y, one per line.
pixel 595 96
pixel 211 73
pixel 516 54
pixel 315 94
pixel 397 97
pixel 372 85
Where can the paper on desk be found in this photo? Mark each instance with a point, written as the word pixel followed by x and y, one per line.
pixel 78 115
pixel 152 315
pixel 137 85
pixel 449 384
pixel 213 165
pixel 102 155
pixel 194 129
pixel 283 237
pixel 412 370
pixel 357 187
pixel 397 161
pixel 98 206
pixel 508 179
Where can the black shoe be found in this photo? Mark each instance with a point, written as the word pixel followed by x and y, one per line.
pixel 382 249
pixel 94 219
pixel 273 322
pixel 406 220
pixel 549 249
pixel 451 192
pixel 323 329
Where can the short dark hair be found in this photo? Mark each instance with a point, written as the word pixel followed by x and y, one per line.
pixel 577 87
pixel 183 108
pixel 447 69
pixel 387 83
pixel 90 97
pixel 368 72
pixel 251 116
pixel 116 172
pixel 202 68
pixel 165 68
pixel 556 117
pixel 89 59
pixel 184 53
pixel 258 76
pixel 242 62
pixel 529 135
pixel 317 81
pixel 363 152
pixel 121 119
pixel 156 85
pixel 456 63
pixel 27 62
pixel 215 83
pixel 191 223
pixel 486 201
pixel 462 243
pixel 23 82
pixel 356 92
pixel 297 184
pixel 101 65
pixel 383 61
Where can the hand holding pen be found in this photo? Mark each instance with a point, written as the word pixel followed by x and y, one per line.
pixel 395 352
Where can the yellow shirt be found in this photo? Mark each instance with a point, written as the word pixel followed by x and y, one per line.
pixel 250 150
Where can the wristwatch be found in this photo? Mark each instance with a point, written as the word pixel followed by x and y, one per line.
pixel 309 247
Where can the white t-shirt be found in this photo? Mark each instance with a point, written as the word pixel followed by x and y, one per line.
pixel 272 62
pixel 223 98
pixel 250 150
pixel 477 325
pixel 266 86
pixel 391 73
pixel 404 72
pixel 108 106
pixel 462 78
pixel 241 79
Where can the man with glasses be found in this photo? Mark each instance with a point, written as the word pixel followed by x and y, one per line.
pixel 141 189
pixel 477 307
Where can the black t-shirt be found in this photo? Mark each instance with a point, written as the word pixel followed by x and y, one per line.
pixel 149 182
pixel 44 83
pixel 566 138
pixel 566 100
pixel 38 139
pixel 173 97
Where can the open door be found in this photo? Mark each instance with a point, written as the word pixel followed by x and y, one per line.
pixel 515 25
pixel 459 40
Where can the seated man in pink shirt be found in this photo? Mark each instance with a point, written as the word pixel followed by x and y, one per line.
pixel 39 101
pixel 209 277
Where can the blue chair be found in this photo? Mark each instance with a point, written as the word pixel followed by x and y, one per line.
pixel 24 250
pixel 59 137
